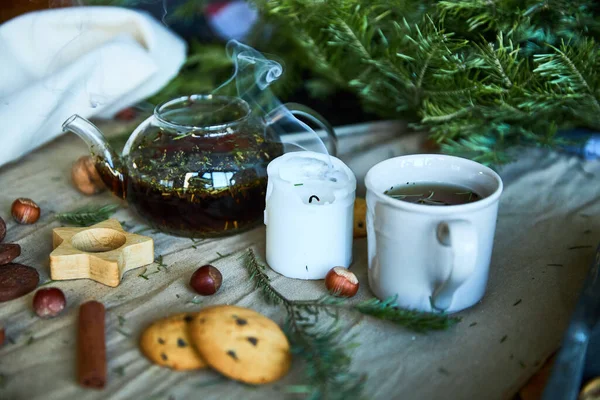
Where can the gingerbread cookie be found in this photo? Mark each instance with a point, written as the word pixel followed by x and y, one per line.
pixel 241 344
pixel 8 252
pixel 360 218
pixel 166 342
pixel 17 280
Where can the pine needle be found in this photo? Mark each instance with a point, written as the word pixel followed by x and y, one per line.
pixel 88 215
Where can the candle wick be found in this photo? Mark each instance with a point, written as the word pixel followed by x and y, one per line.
pixel 311 198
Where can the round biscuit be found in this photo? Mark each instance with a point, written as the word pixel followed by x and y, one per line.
pixel 166 342
pixel 241 344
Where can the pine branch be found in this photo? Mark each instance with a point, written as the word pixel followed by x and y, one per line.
pixel 262 281
pixel 417 321
pixel 438 115
pixel 423 70
pixel 464 67
pixel 562 68
pixel 321 345
pixel 327 363
pixel 88 215
pixel 452 92
pixel 354 41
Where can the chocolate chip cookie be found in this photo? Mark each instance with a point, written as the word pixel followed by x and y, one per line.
pixel 166 342
pixel 241 344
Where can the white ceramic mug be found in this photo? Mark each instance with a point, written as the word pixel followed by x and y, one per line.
pixel 432 258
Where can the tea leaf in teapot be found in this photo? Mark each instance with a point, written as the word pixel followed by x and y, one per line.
pixel 88 215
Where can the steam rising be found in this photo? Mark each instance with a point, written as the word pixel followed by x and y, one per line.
pixel 252 76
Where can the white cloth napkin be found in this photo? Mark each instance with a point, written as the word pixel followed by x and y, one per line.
pixel 93 61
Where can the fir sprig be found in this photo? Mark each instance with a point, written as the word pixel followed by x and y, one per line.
pixel 321 345
pixel 479 76
pixel 323 350
pixel 386 310
pixel 87 215
pixel 414 320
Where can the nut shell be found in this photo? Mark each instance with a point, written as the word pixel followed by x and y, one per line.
pixel 341 282
pixel 25 211
pixel 49 302
pixel 85 177
pixel 206 280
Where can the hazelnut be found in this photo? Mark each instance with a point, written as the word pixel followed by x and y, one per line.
pixel 85 177
pixel 25 211
pixel 341 282
pixel 49 302
pixel 206 280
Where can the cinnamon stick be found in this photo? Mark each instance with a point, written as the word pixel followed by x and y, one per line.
pixel 91 346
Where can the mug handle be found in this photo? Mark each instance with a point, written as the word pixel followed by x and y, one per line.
pixel 301 110
pixel 461 239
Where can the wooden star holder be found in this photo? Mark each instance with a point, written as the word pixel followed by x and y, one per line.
pixel 101 252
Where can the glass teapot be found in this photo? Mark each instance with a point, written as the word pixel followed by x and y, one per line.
pixel 198 166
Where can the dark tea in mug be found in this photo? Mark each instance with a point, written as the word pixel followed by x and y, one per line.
pixel 433 193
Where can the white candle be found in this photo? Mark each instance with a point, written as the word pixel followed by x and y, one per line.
pixel 309 213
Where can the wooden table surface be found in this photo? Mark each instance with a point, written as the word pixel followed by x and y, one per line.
pixel 547 228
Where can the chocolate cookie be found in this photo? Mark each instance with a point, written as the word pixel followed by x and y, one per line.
pixel 241 344
pixel 360 218
pixel 8 252
pixel 167 342
pixel 2 229
pixel 17 280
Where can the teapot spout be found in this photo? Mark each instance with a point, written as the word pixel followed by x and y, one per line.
pixel 108 163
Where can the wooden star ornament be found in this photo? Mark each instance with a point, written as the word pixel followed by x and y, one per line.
pixel 101 252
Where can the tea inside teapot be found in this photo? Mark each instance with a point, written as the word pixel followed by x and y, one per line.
pixel 200 170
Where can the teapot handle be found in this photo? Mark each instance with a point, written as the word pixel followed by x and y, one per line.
pixel 301 110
